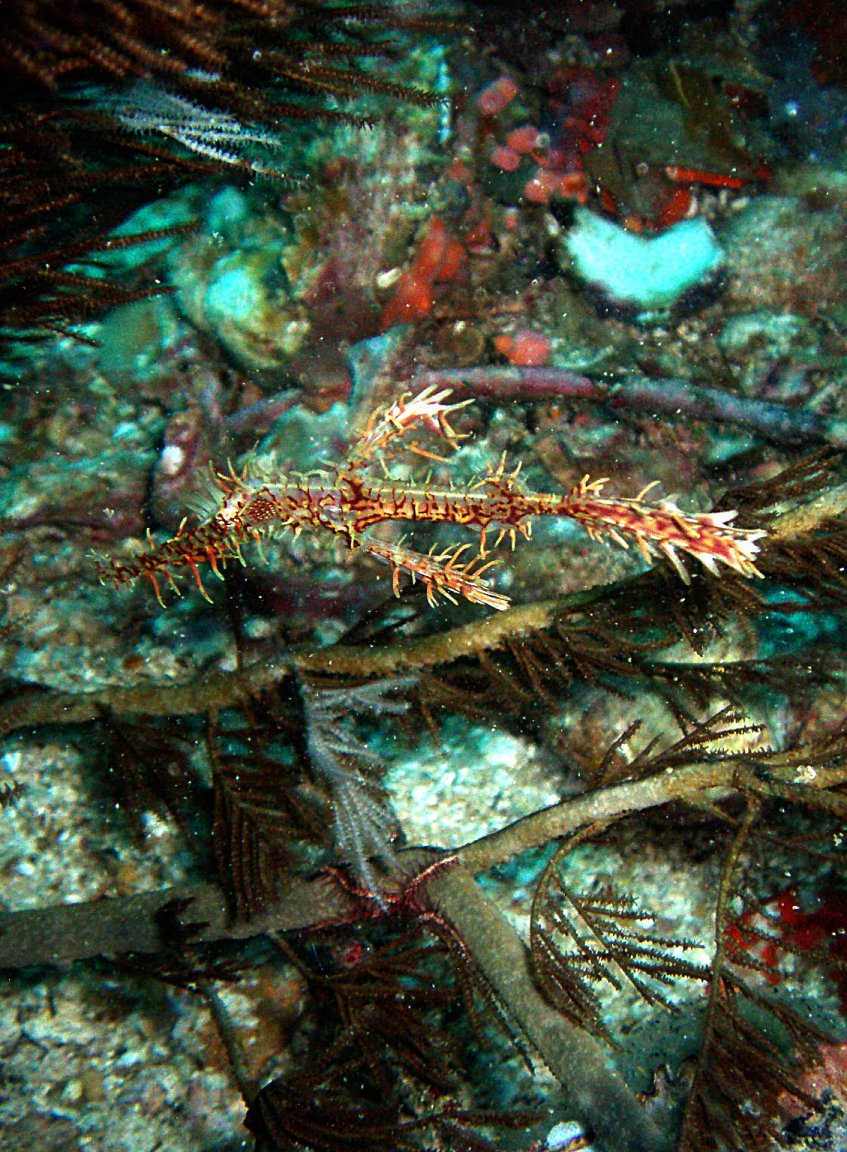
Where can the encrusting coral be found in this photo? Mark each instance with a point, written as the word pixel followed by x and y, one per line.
pixel 350 501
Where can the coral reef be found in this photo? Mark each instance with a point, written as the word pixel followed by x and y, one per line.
pixel 431 822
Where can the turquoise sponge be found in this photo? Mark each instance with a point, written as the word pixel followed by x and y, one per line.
pixel 649 273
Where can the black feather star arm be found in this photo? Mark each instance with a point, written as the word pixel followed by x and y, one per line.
pixel 581 941
pixel 757 1048
pixel 107 105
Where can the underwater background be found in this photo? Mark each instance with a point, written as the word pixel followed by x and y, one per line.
pixel 424 576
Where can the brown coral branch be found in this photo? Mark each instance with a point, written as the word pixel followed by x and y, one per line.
pixel 68 932
pixel 777 423
pixel 577 1059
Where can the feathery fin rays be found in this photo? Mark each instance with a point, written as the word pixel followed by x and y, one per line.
pixel 349 500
